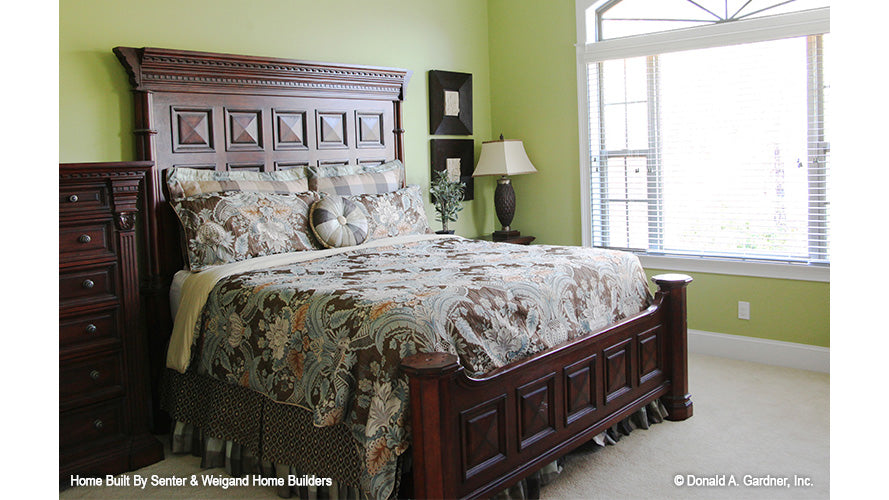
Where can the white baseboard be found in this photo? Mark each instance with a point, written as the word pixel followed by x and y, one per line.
pixel 769 352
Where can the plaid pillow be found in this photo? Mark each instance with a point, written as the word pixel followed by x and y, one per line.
pixel 350 180
pixel 186 182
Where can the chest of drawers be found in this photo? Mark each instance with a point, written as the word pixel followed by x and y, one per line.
pixel 103 373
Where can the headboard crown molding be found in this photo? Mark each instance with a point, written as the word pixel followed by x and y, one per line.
pixel 154 69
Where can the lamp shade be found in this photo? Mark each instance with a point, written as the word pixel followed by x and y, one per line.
pixel 503 157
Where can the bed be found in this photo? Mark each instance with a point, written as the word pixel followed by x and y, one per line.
pixel 466 421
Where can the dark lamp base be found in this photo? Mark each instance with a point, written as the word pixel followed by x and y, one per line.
pixel 504 202
pixel 505 235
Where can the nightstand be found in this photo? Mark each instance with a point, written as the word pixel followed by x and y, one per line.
pixel 517 240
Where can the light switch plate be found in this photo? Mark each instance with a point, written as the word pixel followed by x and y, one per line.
pixel 743 310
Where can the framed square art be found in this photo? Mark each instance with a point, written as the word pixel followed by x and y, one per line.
pixel 456 157
pixel 450 103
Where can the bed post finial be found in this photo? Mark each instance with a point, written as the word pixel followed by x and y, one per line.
pixel 673 287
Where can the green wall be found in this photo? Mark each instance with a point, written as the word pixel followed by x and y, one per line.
pixel 96 107
pixel 524 86
pixel 780 309
pixel 534 98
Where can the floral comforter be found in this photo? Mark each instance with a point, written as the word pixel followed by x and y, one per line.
pixel 328 334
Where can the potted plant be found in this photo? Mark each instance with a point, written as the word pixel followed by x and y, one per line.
pixel 446 197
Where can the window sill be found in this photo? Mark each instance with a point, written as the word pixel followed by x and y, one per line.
pixel 800 272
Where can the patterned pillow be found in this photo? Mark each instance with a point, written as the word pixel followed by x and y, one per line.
pixel 227 227
pixel 187 182
pixel 338 222
pixel 349 180
pixel 398 213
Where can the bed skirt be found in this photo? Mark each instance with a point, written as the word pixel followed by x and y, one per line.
pixel 246 433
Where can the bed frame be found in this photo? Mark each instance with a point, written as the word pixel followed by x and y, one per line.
pixel 470 437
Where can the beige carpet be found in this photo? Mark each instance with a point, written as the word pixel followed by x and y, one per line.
pixel 750 420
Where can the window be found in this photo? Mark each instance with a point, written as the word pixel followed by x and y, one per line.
pixel 616 18
pixel 708 141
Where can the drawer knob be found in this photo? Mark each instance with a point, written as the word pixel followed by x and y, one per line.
pixel 98 424
pixel 88 284
pixel 84 238
pixel 94 374
pixel 91 328
pixel 73 198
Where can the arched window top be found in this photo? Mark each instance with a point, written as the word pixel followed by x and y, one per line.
pixel 607 19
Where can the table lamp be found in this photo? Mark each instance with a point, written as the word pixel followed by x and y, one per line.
pixel 504 158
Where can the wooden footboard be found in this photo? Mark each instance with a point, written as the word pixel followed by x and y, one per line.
pixel 475 437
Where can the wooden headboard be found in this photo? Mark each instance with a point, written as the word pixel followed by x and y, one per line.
pixel 229 112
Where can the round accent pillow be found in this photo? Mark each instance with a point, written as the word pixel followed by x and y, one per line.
pixel 338 222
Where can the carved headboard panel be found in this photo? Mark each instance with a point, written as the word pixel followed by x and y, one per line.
pixel 227 112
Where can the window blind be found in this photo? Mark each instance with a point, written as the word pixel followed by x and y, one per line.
pixel 716 152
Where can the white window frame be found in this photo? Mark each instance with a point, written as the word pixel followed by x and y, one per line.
pixel 803 23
